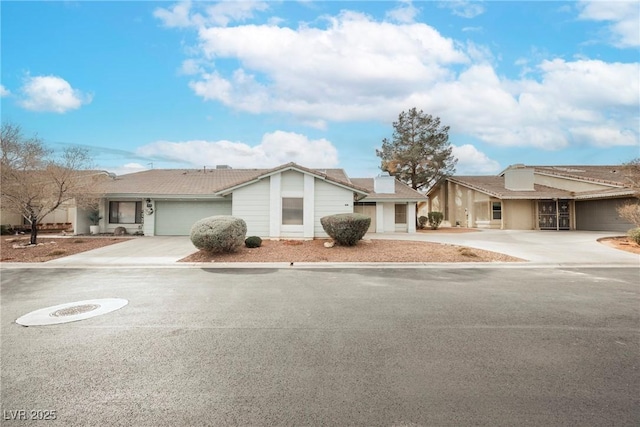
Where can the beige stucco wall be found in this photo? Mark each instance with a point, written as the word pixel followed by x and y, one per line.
pixel 518 214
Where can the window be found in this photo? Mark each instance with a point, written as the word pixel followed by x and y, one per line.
pixel 401 214
pixel 125 212
pixel 496 210
pixel 292 210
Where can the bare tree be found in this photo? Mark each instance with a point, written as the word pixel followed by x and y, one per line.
pixel 36 182
pixel 630 211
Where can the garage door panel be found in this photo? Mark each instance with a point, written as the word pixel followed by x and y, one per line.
pixel 175 218
pixel 600 215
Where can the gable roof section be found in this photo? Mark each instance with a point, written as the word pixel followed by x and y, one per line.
pixel 611 178
pixel 335 176
pixel 402 191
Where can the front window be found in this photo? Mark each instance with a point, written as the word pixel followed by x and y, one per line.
pixel 125 212
pixel 292 210
pixel 496 209
pixel 401 214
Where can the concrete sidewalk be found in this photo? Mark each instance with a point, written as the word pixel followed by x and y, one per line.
pixel 545 248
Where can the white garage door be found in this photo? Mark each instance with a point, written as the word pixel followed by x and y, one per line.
pixel 176 218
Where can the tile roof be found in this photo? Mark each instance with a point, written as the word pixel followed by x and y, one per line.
pixel 613 175
pixel 402 191
pixel 177 182
pixel 209 182
pixel 494 186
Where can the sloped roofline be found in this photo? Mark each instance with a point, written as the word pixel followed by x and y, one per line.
pixel 296 167
pixel 566 172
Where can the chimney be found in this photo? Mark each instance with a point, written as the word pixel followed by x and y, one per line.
pixel 519 178
pixel 223 167
pixel 384 184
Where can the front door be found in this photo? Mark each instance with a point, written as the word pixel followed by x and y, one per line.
pixel 553 215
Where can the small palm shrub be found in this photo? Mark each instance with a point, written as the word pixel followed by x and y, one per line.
pixel 346 229
pixel 221 233
pixel 634 234
pixel 253 242
pixel 435 219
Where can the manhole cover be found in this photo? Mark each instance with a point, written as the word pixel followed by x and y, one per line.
pixel 71 312
pixel 77 309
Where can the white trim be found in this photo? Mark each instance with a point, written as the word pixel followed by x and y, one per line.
pixel 308 206
pixel 275 205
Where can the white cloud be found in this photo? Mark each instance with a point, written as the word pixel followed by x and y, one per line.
pixel 543 113
pixel 222 13
pixel 225 12
pixel 404 13
pixel 354 68
pixel 4 91
pixel 623 16
pixel 356 64
pixel 464 8
pixel 177 16
pixel 473 162
pixel 276 148
pixel 51 93
pixel 190 67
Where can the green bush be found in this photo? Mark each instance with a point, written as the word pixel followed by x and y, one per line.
pixel 346 229
pixel 220 233
pixel 634 234
pixel 435 219
pixel 422 222
pixel 253 242
pixel 6 229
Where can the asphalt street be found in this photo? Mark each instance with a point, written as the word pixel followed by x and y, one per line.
pixel 364 347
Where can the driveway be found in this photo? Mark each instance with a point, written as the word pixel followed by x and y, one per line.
pixel 545 247
pixel 537 247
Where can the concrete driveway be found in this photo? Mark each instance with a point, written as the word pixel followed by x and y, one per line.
pixel 536 247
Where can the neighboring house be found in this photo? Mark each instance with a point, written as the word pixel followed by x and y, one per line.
pixel 285 202
pixel 536 198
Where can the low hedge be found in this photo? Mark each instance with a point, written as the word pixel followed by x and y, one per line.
pixel 346 229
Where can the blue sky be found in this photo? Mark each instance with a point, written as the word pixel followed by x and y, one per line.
pixel 258 84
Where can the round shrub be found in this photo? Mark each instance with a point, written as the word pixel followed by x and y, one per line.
pixel 435 218
pixel 422 222
pixel 221 233
pixel 346 229
pixel 634 234
pixel 253 242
